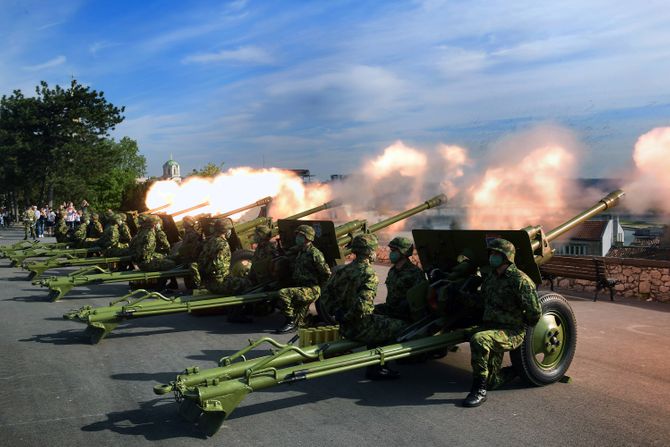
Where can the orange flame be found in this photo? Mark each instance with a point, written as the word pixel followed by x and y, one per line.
pixel 236 188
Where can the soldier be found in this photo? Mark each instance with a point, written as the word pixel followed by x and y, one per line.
pixel 29 223
pixel 191 242
pixel 62 230
pixel 260 272
pixel 162 242
pixel 110 240
pixel 95 229
pixel 124 232
pixel 510 303
pixel 79 235
pixel 143 248
pixel 401 277
pixel 266 251
pixel 214 261
pixel 310 272
pixel 349 296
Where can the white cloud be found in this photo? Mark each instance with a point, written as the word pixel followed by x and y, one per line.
pixel 248 54
pixel 56 61
pixel 95 47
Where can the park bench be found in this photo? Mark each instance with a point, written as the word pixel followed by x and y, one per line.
pixel 576 267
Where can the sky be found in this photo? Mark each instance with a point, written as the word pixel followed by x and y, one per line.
pixel 323 85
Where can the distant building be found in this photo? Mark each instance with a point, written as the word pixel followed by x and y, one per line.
pixel 304 174
pixel 591 238
pixel 171 170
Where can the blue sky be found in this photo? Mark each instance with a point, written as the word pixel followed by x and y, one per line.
pixel 322 85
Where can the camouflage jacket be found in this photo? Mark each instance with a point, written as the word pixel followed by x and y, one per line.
pixel 190 247
pixel 162 243
pixel 310 268
pixel 398 282
pixel 61 231
pixel 79 236
pixel 143 246
pixel 28 217
pixel 510 300
pixel 124 233
pixel 214 259
pixel 110 237
pixel 261 262
pixel 349 295
pixel 95 229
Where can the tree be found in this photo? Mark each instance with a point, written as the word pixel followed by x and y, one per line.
pixel 57 145
pixel 209 170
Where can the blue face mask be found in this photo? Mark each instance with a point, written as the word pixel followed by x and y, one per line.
pixel 394 257
pixel 495 260
pixel 300 239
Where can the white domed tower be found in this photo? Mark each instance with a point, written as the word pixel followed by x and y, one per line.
pixel 171 170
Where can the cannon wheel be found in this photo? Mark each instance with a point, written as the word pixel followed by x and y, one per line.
pixel 238 257
pixel 549 346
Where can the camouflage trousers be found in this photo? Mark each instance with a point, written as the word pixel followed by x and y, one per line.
pixel 487 349
pixel 116 250
pixel 227 285
pixel 157 263
pixel 400 312
pixel 29 230
pixel 373 330
pixel 294 302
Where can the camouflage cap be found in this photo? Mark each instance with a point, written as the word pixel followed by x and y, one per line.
pixel 95 216
pixel 223 224
pixel 364 244
pixel 263 231
pixel 119 218
pixel 306 231
pixel 403 245
pixel 503 246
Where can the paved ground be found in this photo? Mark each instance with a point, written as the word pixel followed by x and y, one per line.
pixel 56 390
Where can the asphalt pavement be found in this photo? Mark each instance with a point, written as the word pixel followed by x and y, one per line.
pixel 58 390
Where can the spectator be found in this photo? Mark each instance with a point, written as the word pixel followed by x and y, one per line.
pixel 51 222
pixel 71 216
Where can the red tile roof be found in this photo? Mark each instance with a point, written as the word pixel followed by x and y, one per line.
pixel 590 230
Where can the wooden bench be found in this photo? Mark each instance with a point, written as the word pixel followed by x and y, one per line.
pixel 579 267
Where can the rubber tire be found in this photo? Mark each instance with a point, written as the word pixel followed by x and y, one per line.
pixel 523 359
pixel 241 255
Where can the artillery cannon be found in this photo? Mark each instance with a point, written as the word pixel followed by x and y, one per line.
pixel 28 245
pixel 207 397
pixel 332 241
pixel 60 285
pixel 37 268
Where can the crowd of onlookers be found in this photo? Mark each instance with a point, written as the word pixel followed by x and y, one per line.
pixel 42 221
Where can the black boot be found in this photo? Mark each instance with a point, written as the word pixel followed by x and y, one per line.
pixel 288 326
pixel 379 372
pixel 477 394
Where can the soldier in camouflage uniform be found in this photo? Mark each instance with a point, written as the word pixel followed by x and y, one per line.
pixel 266 251
pixel 310 272
pixel 214 261
pixel 191 242
pixel 95 229
pixel 143 248
pixel 29 223
pixel 110 241
pixel 62 230
pixel 162 242
pixel 510 303
pixel 259 273
pixel 349 296
pixel 79 235
pixel 401 277
pixel 124 232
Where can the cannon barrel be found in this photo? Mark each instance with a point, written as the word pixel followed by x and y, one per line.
pixel 609 201
pixel 189 209
pixel 157 209
pixel 261 202
pixel 346 237
pixel 331 204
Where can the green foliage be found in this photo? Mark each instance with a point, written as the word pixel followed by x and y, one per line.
pixel 57 145
pixel 209 170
